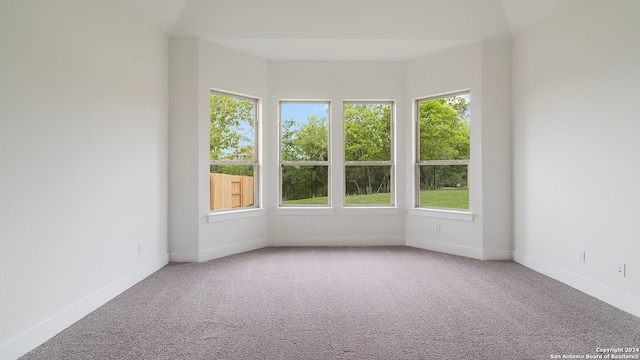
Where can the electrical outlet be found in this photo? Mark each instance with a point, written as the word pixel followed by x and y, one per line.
pixel 438 228
pixel 139 249
pixel 310 224
pixel 580 255
pixel 620 269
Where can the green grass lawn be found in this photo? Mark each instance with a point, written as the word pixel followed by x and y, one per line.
pixel 322 200
pixel 445 198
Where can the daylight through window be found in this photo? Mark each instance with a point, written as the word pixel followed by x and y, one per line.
pixel 443 152
pixel 368 153
pixel 233 147
pixel 304 153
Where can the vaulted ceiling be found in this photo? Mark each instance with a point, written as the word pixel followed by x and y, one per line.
pixel 345 29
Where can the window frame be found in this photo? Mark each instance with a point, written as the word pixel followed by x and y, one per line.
pixel 257 203
pixel 440 212
pixel 282 163
pixel 391 162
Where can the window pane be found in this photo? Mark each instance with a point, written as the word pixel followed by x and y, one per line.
pixel 232 186
pixel 305 131
pixel 305 185
pixel 444 128
pixel 444 133
pixel 444 186
pixel 367 132
pixel 232 128
pixel 368 185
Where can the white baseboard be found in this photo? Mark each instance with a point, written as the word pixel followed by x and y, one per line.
pixel 453 249
pixel 459 250
pixel 184 256
pixel 222 251
pixel 34 337
pixel 337 241
pixel 613 297
pixel 497 255
pixel 218 252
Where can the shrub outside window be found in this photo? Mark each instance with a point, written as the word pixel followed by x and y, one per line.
pixel 233 151
pixel 304 153
pixel 368 153
pixel 443 151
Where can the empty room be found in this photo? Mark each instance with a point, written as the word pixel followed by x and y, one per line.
pixel 224 179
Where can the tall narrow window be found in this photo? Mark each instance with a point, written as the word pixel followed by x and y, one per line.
pixel 443 152
pixel 368 153
pixel 304 153
pixel 233 151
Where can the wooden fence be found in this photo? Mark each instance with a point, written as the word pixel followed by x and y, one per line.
pixel 230 191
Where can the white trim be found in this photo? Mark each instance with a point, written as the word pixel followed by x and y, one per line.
pixel 44 331
pixel 257 142
pixel 443 162
pixel 459 250
pixel 233 162
pixel 392 149
pixel 184 256
pixel 234 214
pixel 304 210
pixel 416 143
pixel 444 95
pixel 602 292
pixel 233 94
pixel 369 101
pixel 369 210
pixel 337 241
pixel 313 163
pixel 218 252
pixel 443 214
pixel 497 255
pixel 327 163
pixel 369 163
pixel 453 249
pixel 232 249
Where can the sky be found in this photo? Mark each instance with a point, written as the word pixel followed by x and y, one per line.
pixel 299 112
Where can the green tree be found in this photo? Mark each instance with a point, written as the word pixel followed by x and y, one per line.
pixel 367 138
pixel 304 182
pixel 305 141
pixel 444 135
pixel 309 142
pixel 444 131
pixel 367 129
pixel 231 128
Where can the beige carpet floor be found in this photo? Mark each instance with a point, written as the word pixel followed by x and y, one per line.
pixel 346 303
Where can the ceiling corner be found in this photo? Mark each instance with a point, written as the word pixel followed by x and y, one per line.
pixel 162 13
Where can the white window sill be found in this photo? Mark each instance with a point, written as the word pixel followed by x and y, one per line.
pixel 304 210
pixel 234 214
pixel 443 214
pixel 369 210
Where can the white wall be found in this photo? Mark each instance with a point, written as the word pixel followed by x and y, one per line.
pixel 183 149
pixel 496 149
pixel 335 81
pixel 229 70
pixel 83 159
pixel 196 67
pixel 483 68
pixel 575 140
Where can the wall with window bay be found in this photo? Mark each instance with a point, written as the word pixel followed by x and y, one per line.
pixel 199 66
pixel 484 69
pixel 196 67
